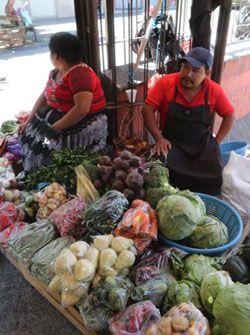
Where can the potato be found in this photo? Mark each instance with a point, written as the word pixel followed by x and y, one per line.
pixel 69 298
pixel 180 324
pixel 153 330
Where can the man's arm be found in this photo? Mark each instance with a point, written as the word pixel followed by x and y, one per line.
pixel 225 127
pixel 162 145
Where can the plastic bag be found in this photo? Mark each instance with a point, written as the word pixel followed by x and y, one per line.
pixel 85 188
pixel 67 217
pixel 8 214
pixel 101 216
pixel 140 220
pixel 32 238
pixel 236 183
pixel 153 290
pixel 135 319
pixel 10 232
pixel 155 264
pixel 7 176
pixel 1 194
pixel 41 262
pixel 181 319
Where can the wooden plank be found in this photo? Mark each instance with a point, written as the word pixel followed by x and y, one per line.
pixel 71 313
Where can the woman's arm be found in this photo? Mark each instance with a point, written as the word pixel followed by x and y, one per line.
pixel 82 104
pixel 225 127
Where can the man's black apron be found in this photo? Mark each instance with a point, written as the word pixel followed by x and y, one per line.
pixel 194 162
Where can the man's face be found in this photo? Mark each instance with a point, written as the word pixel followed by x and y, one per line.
pixel 191 76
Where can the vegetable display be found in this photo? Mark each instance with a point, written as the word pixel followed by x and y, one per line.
pixel 102 216
pixel 73 273
pixel 68 216
pixel 211 286
pixel 179 292
pixel 102 254
pixel 32 238
pixel 232 309
pixel 135 319
pixel 156 182
pixel 179 214
pixel 63 163
pixel 42 260
pixel 210 233
pixel 123 174
pixel 9 127
pixel 50 199
pixel 198 266
pixel 181 319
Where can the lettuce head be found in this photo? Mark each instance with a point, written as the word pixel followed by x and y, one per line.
pixel 209 233
pixel 232 310
pixel 211 286
pixel 179 214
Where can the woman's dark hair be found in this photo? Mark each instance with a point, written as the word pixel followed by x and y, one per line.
pixel 66 46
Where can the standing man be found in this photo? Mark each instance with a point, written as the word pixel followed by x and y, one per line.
pixel 186 101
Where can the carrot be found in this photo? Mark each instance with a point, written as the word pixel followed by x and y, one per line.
pixel 141 221
pixel 137 203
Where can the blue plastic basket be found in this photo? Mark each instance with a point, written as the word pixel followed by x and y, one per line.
pixel 239 147
pixel 225 214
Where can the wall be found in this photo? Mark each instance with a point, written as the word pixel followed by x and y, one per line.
pixel 236 84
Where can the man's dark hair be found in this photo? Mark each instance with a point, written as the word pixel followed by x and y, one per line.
pixel 66 46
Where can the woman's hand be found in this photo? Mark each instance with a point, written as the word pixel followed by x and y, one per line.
pixel 162 147
pixel 22 127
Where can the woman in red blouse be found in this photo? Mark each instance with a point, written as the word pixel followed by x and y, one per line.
pixel 70 110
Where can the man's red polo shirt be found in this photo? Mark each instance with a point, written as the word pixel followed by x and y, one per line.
pixel 162 94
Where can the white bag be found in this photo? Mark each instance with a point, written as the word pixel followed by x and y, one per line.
pixel 236 183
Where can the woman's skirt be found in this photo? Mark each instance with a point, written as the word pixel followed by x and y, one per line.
pixel 39 138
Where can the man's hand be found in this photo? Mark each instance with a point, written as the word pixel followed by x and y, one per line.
pixel 162 147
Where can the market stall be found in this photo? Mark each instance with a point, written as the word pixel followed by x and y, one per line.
pixel 116 249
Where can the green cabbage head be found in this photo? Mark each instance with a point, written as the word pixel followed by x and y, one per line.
pixel 211 286
pixel 196 267
pixel 179 214
pixel 232 310
pixel 181 291
pixel 210 233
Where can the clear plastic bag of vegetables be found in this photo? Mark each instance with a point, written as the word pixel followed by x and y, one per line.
pixel 8 214
pixel 41 262
pixel 135 319
pixel 96 310
pixel 103 215
pixel 119 290
pixel 85 188
pixel 156 263
pixel 32 238
pixel 183 319
pixel 68 216
pixel 140 220
pixel 153 289
pixel 10 232
pixel 73 292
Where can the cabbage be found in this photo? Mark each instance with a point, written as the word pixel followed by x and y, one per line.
pixel 232 310
pixel 181 291
pixel 210 233
pixel 196 267
pixel 211 286
pixel 179 214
